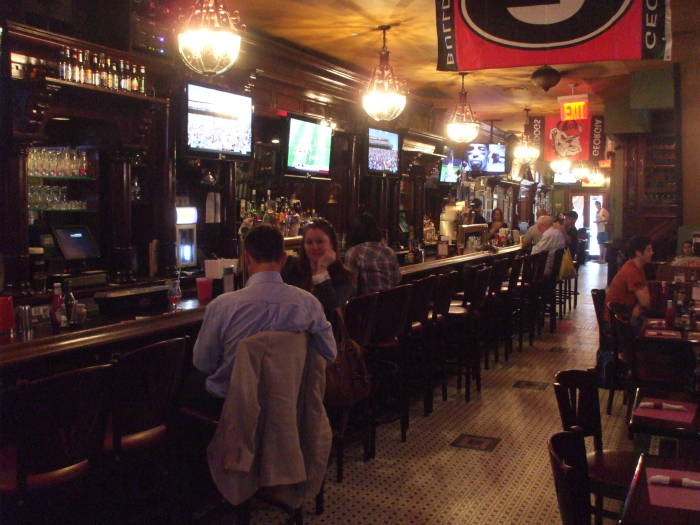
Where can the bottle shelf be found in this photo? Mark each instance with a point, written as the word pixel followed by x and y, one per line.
pixel 62 177
pixel 69 210
pixel 99 89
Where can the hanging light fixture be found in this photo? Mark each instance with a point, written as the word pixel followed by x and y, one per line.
pixel 463 126
pixel 525 152
pixel 210 41
pixel 385 98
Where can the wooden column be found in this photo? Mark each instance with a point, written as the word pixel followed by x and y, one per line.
pixel 119 219
pixel 229 213
pixel 164 197
pixel 15 234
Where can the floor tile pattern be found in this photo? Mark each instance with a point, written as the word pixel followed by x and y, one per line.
pixel 427 481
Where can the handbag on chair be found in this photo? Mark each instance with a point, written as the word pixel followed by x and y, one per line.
pixel 567 270
pixel 347 378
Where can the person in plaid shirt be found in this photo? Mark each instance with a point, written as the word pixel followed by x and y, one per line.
pixel 373 264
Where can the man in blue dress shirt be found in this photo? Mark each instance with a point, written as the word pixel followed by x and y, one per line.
pixel 265 303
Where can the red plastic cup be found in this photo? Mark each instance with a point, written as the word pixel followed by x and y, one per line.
pixel 7 313
pixel 204 289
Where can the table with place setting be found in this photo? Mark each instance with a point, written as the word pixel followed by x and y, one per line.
pixel 663 490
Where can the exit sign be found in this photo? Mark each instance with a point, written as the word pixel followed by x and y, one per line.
pixel 574 107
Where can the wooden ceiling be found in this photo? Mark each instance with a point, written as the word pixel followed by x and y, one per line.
pixel 347 30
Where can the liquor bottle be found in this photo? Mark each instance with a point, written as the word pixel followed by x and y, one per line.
pixel 58 312
pixel 134 79
pixel 95 70
pixel 670 314
pixel 63 62
pixel 76 66
pixel 87 61
pixel 126 76
pixel 114 72
pixel 81 67
pixel 142 80
pixel 104 71
pixel 69 304
pixel 253 204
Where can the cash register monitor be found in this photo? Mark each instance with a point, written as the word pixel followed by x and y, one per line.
pixel 76 243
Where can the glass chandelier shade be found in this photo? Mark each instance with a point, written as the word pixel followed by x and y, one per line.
pixel 385 98
pixel 463 126
pixel 210 40
pixel 525 152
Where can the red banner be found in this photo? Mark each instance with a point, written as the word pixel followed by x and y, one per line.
pixel 566 139
pixel 485 34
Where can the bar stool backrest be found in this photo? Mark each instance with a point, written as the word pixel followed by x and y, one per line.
pixel 361 317
pixel 61 420
pixel 392 312
pixel 478 290
pixel 422 299
pixel 445 287
pixel 515 270
pixel 146 382
pixel 498 275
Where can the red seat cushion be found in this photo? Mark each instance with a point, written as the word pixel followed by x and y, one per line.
pixel 611 471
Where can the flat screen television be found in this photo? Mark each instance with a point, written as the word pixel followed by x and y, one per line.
pixel 218 122
pixel 450 168
pixel 76 242
pixel 382 151
pixel 308 147
pixel 487 158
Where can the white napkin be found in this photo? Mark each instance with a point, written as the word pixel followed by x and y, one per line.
pixel 662 406
pixel 687 483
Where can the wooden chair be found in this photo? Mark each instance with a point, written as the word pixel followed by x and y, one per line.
pixel 507 313
pixel 549 292
pixel 610 471
pixel 56 439
pixel 494 301
pixel 360 318
pixel 567 455
pixel 615 371
pixel 443 293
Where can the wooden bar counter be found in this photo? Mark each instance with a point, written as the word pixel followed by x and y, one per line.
pixel 412 271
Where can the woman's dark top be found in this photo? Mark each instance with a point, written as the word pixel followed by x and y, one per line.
pixel 332 293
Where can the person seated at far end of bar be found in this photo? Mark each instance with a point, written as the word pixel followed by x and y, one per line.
pixel 266 303
pixel 629 286
pixel 552 240
pixel 687 256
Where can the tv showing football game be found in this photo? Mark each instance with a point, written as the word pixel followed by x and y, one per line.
pixel 488 158
pixel 308 147
pixel 383 151
pixel 218 121
pixel 451 168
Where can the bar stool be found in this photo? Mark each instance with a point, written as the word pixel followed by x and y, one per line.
pixel 507 312
pixel 468 321
pixel 56 439
pixel 493 305
pixel 388 358
pixel 445 287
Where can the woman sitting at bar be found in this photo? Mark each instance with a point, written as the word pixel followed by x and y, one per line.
pixel 496 223
pixel 319 270
pixel 687 257
pixel 372 262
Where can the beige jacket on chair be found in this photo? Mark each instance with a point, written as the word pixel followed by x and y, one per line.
pixel 273 434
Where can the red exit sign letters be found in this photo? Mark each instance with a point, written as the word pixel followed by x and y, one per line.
pixel 574 107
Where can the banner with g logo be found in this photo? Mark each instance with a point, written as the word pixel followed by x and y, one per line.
pixel 482 34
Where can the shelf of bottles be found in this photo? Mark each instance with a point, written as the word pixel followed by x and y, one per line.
pixel 661 184
pixel 52 171
pixel 285 213
pixel 82 66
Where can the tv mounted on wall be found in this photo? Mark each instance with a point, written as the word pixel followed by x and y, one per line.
pixel 451 168
pixel 382 151
pixel 486 158
pixel 219 122
pixel 308 148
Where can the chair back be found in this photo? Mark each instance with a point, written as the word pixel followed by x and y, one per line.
pixel 556 264
pixel 146 382
pixel 422 299
pixel 604 336
pixel 444 290
pixel 360 317
pixel 567 456
pixel 515 269
pixel 476 292
pixel 528 271
pixel 61 420
pixel 392 311
pixel 577 398
pixel 539 262
pixel 499 274
pixel 623 338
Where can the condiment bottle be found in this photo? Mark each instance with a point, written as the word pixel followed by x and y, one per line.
pixel 670 314
pixel 58 310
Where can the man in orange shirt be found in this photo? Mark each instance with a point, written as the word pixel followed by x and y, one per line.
pixel 629 286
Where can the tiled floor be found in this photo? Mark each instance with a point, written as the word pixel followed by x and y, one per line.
pixel 428 481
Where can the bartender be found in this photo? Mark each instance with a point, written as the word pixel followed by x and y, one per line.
pixel 475 212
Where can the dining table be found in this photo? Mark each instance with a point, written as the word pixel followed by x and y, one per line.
pixel 661 493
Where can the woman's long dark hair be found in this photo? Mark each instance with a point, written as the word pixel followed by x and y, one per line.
pixel 338 271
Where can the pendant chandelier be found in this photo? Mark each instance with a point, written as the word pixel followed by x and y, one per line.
pixel 210 41
pixel 525 152
pixel 385 97
pixel 463 126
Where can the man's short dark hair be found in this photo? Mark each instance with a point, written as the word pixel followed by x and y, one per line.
pixel 265 244
pixel 364 229
pixel 637 244
pixel 571 214
pixel 477 203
